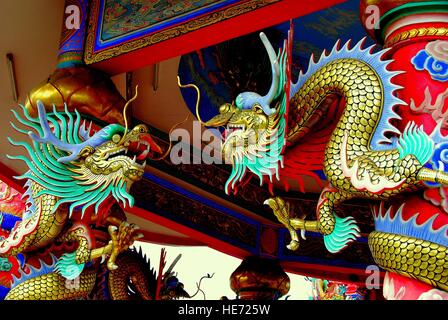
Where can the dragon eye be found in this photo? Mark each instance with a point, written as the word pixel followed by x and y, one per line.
pixel 116 138
pixel 140 129
pixel 257 108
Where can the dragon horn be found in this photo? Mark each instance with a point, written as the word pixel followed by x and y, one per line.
pixel 274 68
pixel 74 149
pixel 50 138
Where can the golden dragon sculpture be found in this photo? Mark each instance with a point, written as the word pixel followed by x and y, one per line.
pixel 74 176
pixel 366 156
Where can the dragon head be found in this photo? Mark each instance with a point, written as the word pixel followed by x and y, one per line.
pixel 254 131
pixel 120 156
pixel 80 167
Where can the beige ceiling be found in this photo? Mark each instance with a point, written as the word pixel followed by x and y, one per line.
pixel 30 30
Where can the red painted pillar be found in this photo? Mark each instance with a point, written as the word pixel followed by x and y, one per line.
pixel 416 33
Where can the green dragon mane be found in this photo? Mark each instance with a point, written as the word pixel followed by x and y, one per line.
pixel 58 178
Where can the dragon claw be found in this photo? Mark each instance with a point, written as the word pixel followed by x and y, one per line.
pixel 293 245
pixel 112 266
pixel 281 211
pixel 122 238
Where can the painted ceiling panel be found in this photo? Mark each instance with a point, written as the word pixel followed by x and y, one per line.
pixel 129 18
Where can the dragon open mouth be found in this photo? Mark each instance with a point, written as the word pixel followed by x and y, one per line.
pixel 136 152
pixel 231 128
pixel 127 154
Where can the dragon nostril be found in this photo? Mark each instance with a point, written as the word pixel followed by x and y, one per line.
pixel 225 108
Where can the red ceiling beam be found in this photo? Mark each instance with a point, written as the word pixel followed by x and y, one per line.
pixel 7 176
pixel 252 21
pixel 328 272
pixel 194 234
pixel 170 240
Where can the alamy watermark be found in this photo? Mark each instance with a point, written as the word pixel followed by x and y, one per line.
pixel 73 20
pixel 208 147
pixel 373 280
pixel 373 17
pixel 72 284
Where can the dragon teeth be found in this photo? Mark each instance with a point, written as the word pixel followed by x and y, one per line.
pixel 144 154
pixel 236 126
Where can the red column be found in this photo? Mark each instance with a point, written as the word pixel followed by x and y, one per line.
pixel 416 33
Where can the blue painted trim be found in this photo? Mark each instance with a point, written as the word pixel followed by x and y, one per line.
pixel 198 198
pixel 333 262
pixel 321 174
pixel 69 64
pixel 175 188
pixel 100 44
pixel 212 233
pixel 21 259
pixel 3 292
pixel 9 221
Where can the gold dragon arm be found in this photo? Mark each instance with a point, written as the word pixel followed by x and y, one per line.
pixel 282 212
